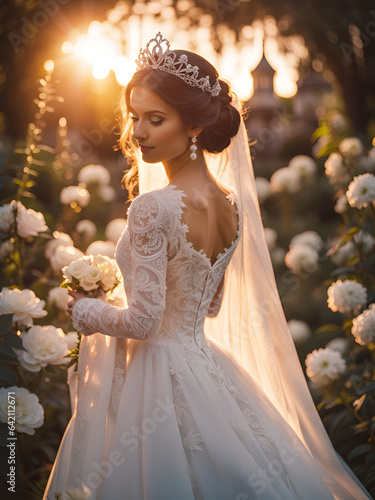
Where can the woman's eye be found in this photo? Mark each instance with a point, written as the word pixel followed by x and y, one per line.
pixel 156 122
pixel 133 118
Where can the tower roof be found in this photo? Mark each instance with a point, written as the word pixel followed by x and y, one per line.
pixel 264 66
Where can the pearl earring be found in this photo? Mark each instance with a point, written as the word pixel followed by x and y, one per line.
pixel 193 148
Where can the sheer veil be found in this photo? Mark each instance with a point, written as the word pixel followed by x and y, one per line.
pixel 250 325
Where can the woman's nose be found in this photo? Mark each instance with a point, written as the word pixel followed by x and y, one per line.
pixel 139 132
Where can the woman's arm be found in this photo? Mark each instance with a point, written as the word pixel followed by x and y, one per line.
pixel 148 248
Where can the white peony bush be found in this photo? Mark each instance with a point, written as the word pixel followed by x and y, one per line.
pixel 271 237
pixel 94 174
pixel 263 188
pixel 361 191
pixel 114 229
pixel 75 194
pixel 86 228
pixel 363 328
pixel 27 221
pixel 351 148
pixel 57 240
pixel 302 258
pixel 324 365
pixel 24 305
pixel 44 345
pixel 299 330
pixel 335 169
pixel 346 296
pixel 339 344
pixel 285 180
pixel 59 297
pixel 101 247
pixel 63 256
pixel 29 413
pixel 304 166
pixel 310 238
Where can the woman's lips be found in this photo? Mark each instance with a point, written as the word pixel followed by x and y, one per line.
pixel 145 149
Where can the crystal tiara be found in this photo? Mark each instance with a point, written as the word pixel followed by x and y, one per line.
pixel 165 60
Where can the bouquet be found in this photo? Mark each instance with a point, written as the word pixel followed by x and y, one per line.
pixel 96 276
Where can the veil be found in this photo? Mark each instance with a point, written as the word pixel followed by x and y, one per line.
pixel 250 325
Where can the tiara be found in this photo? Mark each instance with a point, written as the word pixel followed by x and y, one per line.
pixel 165 60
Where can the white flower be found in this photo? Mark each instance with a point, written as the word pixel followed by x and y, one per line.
pixel 107 193
pixel 341 204
pixel 44 345
pixel 343 253
pixel 75 194
pixel 5 249
pixel 304 166
pixel 351 148
pixel 363 327
pixel 361 191
pixel 285 180
pixel 90 280
pixel 87 228
pixel 310 238
pixel 7 218
pixel 59 297
pixel 321 142
pixel 336 121
pixel 271 237
pixel 346 296
pixel 23 304
pixel 114 229
pixel 335 169
pixel 71 340
pixel 76 269
pixel 278 256
pixel 324 365
pixel 29 413
pixel 111 273
pixel 338 344
pixel 94 174
pixel 63 256
pixel 30 222
pixel 299 329
pixel 75 494
pixel 302 258
pixel 263 188
pixel 58 239
pixel 101 247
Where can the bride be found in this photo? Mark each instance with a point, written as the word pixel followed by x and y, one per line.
pixel 191 387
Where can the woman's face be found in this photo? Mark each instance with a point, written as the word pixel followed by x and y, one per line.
pixel 157 125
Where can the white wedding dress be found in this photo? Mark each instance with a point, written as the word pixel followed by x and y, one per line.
pixel 187 422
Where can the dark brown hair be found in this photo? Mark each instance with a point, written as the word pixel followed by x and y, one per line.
pixel 219 119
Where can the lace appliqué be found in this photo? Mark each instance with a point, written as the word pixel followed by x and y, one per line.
pixel 192 440
pixel 179 405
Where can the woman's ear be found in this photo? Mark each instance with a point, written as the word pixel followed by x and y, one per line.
pixel 194 130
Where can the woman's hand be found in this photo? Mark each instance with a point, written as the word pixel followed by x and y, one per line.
pixel 76 297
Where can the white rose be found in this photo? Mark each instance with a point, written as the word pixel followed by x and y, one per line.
pixel 57 240
pixel 6 249
pixel 299 330
pixel 324 365
pixel 87 228
pixel 59 297
pixel 76 269
pixel 30 223
pixel 44 345
pixel 304 166
pixel 361 191
pixel 94 174
pixel 363 328
pixel 310 238
pixel 29 413
pixel 111 273
pixel 23 304
pixel 271 237
pixel 336 171
pixel 63 256
pixel 346 296
pixel 75 194
pixel 285 180
pixel 338 344
pixel 263 188
pixel 114 229
pixel 351 148
pixel 101 247
pixel 336 121
pixel 7 219
pixel 302 258
pixel 90 280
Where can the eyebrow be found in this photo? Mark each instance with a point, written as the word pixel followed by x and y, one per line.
pixel 149 112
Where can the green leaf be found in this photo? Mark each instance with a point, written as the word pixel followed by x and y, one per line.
pixel 7 350
pixel 359 450
pixel 6 323
pixel 14 340
pixel 323 130
pixel 331 327
pixel 8 376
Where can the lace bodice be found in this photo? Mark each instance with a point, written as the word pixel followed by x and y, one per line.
pixel 170 286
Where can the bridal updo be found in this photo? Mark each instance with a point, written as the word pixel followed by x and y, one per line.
pixel 219 119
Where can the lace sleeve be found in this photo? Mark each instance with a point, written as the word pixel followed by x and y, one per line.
pixel 148 247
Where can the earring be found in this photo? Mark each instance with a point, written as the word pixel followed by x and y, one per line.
pixel 193 148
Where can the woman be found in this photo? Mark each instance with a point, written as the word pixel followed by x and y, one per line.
pixel 192 389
